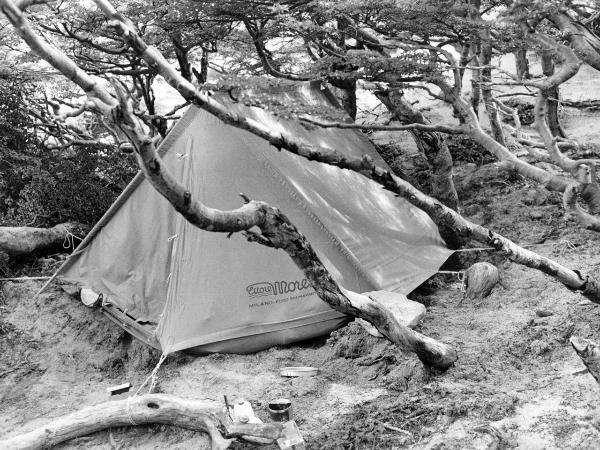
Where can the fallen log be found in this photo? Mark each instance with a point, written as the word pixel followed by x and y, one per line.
pixel 141 410
pixel 18 241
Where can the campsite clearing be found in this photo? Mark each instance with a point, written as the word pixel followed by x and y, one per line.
pixel 517 381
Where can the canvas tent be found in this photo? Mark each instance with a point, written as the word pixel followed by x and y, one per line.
pixel 177 287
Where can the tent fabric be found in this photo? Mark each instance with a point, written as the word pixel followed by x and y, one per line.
pixel 202 290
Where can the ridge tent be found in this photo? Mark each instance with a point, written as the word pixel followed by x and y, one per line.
pixel 177 287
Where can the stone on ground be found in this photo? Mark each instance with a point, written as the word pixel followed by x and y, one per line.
pixel 407 312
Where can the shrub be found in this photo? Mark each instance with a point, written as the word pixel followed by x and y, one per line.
pixel 42 187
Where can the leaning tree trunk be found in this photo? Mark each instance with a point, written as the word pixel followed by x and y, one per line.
pixel 258 213
pixel 260 222
pixel 19 241
pixel 584 42
pixel 552 95
pixel 485 77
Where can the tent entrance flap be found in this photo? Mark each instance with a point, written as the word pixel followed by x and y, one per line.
pixel 196 289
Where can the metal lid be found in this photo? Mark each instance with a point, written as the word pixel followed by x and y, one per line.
pixel 298 371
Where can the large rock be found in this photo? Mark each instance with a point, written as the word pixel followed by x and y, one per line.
pixel 405 311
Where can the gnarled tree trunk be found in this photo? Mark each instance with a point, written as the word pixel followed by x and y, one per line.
pixel 522 63
pixel 552 95
pixel 434 147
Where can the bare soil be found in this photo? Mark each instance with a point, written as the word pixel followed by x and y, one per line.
pixel 517 382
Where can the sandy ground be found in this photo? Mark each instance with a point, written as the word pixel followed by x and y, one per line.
pixel 517 382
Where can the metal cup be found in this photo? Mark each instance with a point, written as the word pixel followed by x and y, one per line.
pixel 280 410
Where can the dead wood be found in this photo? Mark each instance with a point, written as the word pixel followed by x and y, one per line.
pixel 141 410
pixel 589 352
pixel 17 241
pixel 480 279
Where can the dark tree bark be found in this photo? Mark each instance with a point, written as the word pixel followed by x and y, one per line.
pixel 346 94
pixel 522 64
pixel 552 94
pixel 182 56
pixel 485 77
pixel 433 146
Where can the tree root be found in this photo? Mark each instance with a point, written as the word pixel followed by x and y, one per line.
pixel 576 212
pixel 141 410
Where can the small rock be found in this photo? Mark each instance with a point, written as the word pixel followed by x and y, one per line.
pixel 536 214
pixel 539 347
pixel 528 198
pixel 543 313
pixel 540 197
pixel 478 218
pixel 407 312
pixel 480 279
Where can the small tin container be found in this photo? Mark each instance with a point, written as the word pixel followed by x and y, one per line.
pixel 280 410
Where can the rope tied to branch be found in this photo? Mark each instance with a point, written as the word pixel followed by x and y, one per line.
pixel 69 241
pixel 153 377
pixel 129 416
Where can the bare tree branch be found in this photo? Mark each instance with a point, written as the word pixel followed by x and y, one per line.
pixel 378 127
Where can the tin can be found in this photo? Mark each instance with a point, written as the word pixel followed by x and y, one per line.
pixel 280 410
